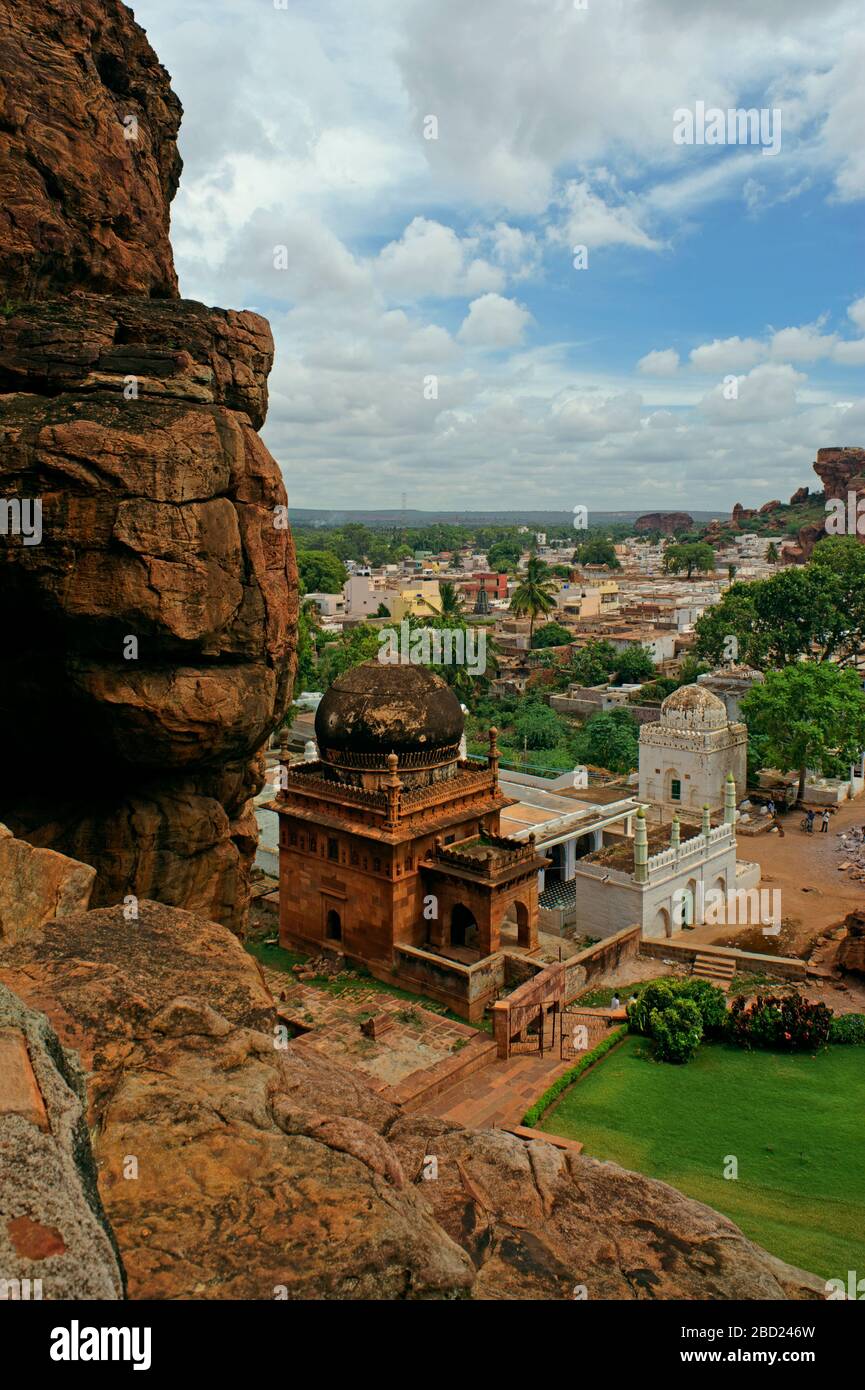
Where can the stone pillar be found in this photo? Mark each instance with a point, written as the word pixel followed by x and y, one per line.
pixel 493 756
pixel 676 834
pixel 284 759
pixel 641 849
pixel 730 800
pixel 707 820
pixel 393 787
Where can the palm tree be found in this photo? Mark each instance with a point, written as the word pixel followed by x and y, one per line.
pixel 451 601
pixel 535 595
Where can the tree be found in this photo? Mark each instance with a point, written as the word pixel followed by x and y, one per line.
pixel 610 740
pixel 597 550
pixel 534 595
pixel 632 665
pixel 451 600
pixel 812 612
pixel 322 571
pixel 693 555
pixel 810 715
pixel 353 646
pixel 538 726
pixel 592 664
pixel 504 555
pixel 552 635
pixel 382 611
pixel 772 556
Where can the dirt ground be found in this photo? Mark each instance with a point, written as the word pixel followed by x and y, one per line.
pixel 804 868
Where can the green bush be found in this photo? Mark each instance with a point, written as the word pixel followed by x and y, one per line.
pixel 676 1031
pixel 849 1028
pixel 654 997
pixel 709 1000
pixel 588 1059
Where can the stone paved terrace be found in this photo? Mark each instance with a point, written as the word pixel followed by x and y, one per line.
pixel 498 1094
pixel 330 1025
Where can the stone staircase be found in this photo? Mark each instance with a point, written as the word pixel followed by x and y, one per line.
pixel 718 970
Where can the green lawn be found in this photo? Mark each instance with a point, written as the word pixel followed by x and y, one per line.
pixel 795 1124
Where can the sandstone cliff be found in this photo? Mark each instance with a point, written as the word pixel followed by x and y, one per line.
pixel 264 1173
pixel 151 626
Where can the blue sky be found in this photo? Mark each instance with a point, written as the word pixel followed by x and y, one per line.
pixel 433 336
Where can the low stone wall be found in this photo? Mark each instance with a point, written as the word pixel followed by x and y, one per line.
pixel 785 967
pixel 466 989
pixel 597 960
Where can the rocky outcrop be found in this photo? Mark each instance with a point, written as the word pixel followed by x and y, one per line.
pixel 841 471
pixel 800 495
pixel 851 947
pixel 55 1241
pixel 153 609
pixel 88 159
pixel 36 885
pixel 666 522
pixel 263 1172
pixel 740 514
pixel 770 506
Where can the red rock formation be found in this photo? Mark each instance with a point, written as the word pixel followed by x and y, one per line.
pixel 88 160
pixel 667 522
pixel 841 471
pixel 262 1169
pixel 151 631
pixel 770 506
pixel 741 514
pixel 800 495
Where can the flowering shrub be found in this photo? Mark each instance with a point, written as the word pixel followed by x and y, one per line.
pixel 788 1022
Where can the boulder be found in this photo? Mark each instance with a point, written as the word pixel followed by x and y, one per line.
pixel 850 956
pixel 800 495
pixel 264 1170
pixel 55 1241
pixel 38 884
pixel 667 522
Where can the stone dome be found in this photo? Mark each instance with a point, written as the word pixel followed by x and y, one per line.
pixel 377 708
pixel 693 707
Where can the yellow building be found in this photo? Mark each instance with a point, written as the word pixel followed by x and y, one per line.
pixel 418 598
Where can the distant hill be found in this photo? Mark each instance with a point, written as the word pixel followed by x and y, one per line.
pixel 323 516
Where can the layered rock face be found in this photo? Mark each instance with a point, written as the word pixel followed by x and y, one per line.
pixel 841 471
pixel 263 1173
pixel 667 522
pixel 150 614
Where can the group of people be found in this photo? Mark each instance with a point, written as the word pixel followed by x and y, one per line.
pixel 809 822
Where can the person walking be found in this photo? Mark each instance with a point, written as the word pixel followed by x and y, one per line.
pixel 824 827
pixel 809 822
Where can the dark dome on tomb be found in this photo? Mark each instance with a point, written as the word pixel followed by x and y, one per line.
pixel 377 708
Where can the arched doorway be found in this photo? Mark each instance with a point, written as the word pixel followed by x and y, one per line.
pixel 333 926
pixel 523 925
pixel 464 928
pixel 660 926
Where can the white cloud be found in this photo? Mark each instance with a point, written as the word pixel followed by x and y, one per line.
pixel 805 344
pixel 727 354
pixel 494 322
pixel 766 393
pixel 660 362
pixel 856 312
pixel 430 261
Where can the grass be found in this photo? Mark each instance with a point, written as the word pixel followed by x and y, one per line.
pixel 792 1121
pixel 599 998
pixel 278 957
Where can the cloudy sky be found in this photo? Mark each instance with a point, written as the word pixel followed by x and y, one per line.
pixel 400 186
